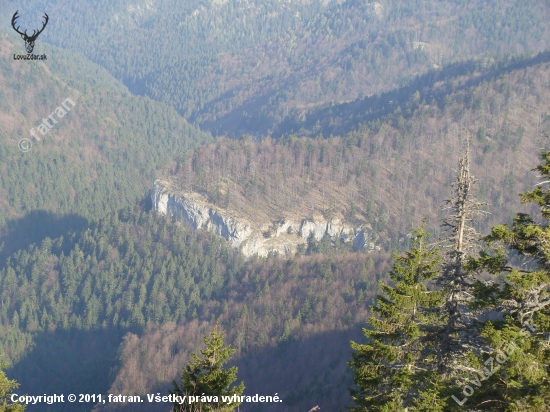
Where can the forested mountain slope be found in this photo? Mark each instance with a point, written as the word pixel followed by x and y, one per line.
pixel 360 48
pixel 68 302
pixel 129 38
pixel 114 300
pixel 435 87
pixel 244 66
pixel 101 156
pixel 390 172
pixel 409 162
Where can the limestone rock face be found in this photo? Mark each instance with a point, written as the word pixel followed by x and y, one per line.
pixel 198 214
pixel 282 237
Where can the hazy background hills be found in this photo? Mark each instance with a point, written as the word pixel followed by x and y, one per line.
pixel 370 103
pixel 245 66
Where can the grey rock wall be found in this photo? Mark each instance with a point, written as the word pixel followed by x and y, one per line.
pixel 284 238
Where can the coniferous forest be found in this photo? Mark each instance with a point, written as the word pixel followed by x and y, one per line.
pixel 423 126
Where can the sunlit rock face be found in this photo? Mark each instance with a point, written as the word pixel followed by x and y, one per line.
pixel 278 237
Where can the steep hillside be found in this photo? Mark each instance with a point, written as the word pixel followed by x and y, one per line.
pixel 304 318
pixel 117 35
pixel 362 48
pixel 255 232
pixel 437 86
pixel 98 294
pixel 390 172
pixel 101 156
pixel 244 66
pixel 69 301
pixel 397 168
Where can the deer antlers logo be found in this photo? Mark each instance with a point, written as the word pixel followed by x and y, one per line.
pixel 29 40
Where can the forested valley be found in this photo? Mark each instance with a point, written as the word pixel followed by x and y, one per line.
pixel 355 110
pixel 247 66
pixel 388 172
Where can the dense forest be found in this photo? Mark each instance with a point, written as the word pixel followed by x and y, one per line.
pixel 355 110
pixel 385 172
pixel 142 281
pixel 437 87
pixel 244 66
pixel 133 271
pixel 103 156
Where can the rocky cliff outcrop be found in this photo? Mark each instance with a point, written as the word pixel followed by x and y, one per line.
pixel 282 236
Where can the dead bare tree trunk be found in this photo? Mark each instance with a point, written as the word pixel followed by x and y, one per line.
pixel 458 333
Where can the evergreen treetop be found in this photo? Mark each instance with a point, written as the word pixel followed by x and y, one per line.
pixel 207 376
pixel 390 368
pixel 6 387
pixel 519 256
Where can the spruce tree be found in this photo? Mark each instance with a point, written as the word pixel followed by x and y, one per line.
pixel 389 369
pixel 6 387
pixel 519 255
pixel 207 377
pixel 415 359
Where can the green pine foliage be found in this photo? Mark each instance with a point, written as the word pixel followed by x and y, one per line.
pixel 207 377
pixel 67 303
pixel 6 389
pixel 422 347
pixel 391 369
pixel 519 256
pixel 123 272
pixel 102 156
